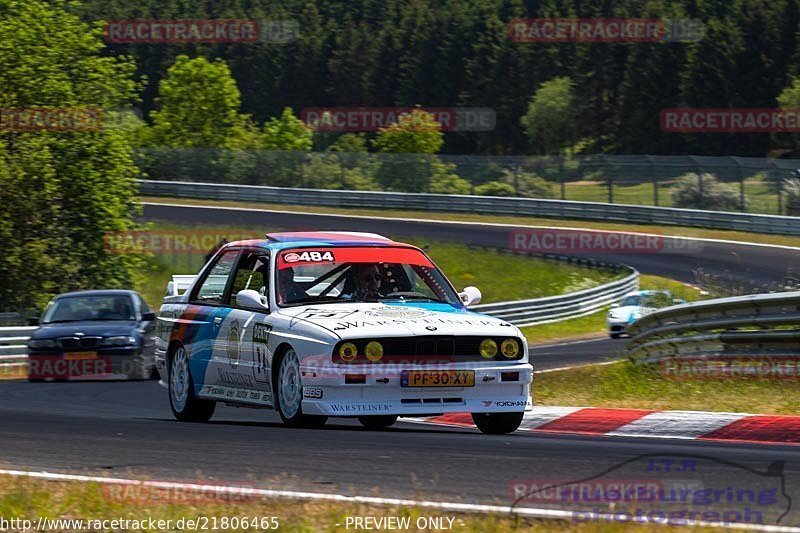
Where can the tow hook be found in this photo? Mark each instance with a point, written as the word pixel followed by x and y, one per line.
pixel 383 380
pixel 488 378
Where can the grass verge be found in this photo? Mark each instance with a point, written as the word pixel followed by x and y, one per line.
pixel 30 499
pixel 499 219
pixel 625 385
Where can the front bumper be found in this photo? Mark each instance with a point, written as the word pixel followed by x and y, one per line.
pixel 104 363
pixel 618 326
pixel 326 393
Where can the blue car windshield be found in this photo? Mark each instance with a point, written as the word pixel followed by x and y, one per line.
pixel 94 307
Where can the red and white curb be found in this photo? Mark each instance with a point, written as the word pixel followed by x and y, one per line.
pixel 690 425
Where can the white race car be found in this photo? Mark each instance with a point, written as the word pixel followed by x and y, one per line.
pixel 338 324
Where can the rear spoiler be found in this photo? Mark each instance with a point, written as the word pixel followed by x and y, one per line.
pixel 178 286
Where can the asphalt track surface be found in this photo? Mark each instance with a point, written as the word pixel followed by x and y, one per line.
pixel 126 429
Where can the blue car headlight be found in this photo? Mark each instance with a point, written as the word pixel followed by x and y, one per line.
pixel 41 343
pixel 119 340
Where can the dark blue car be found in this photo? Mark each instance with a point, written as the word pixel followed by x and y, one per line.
pixel 100 334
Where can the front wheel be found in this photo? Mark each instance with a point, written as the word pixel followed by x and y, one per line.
pixel 185 405
pixel 289 388
pixel 497 423
pixel 377 421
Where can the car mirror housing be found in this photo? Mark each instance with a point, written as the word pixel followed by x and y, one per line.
pixel 252 300
pixel 470 296
pixel 148 317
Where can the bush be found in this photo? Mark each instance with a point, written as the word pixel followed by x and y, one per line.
pixel 791 196
pixel 495 188
pixel 715 196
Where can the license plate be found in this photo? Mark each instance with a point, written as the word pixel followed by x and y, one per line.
pixel 79 356
pixel 437 378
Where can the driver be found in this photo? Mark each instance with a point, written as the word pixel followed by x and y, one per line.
pixel 289 290
pixel 367 280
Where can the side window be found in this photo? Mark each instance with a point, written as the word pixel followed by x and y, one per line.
pixel 212 290
pixel 252 273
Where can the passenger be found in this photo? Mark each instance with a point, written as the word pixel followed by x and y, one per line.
pixel 366 281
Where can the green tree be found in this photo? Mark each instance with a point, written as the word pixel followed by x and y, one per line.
pixel 551 112
pixel 63 193
pixel 198 106
pixel 286 132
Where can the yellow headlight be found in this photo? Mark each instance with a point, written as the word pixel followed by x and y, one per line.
pixel 374 351
pixel 509 348
pixel 348 351
pixel 488 348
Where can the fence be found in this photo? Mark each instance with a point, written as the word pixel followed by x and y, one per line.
pixel 748 184
pixel 774 224
pixel 742 325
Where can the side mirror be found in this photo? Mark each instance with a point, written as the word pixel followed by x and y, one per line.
pixel 148 317
pixel 470 296
pixel 614 305
pixel 252 300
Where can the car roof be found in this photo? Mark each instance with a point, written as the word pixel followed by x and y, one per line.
pixel 304 239
pixel 98 292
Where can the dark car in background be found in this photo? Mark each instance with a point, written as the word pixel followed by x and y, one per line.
pixel 99 334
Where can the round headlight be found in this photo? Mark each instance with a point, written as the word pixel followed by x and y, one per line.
pixel 374 351
pixel 488 348
pixel 348 352
pixel 509 348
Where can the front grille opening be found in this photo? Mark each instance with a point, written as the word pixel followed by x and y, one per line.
pixel 355 379
pixel 509 376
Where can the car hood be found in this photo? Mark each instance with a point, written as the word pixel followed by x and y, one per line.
pixel 358 320
pixel 89 328
pixel 629 312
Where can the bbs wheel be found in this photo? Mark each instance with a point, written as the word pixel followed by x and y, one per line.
pixel 377 421
pixel 497 423
pixel 185 405
pixel 289 393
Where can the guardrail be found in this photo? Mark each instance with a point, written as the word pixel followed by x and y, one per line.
pixel 741 325
pixel 13 343
pixel 773 224
pixel 554 308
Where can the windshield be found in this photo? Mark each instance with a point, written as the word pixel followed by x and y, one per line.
pixel 650 300
pixel 98 307
pixel 360 274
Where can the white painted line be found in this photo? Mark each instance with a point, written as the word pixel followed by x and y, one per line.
pixel 582 365
pixel 676 424
pixel 530 512
pixel 489 224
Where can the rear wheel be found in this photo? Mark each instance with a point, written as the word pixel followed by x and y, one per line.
pixel 614 335
pixel 289 393
pixel 377 421
pixel 497 423
pixel 185 405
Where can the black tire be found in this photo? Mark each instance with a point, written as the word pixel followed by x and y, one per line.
pixel 614 335
pixel 377 421
pixel 288 393
pixel 184 404
pixel 35 380
pixel 497 423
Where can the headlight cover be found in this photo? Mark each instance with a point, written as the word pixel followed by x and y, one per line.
pixel 41 343
pixel 510 348
pixel 348 352
pixel 118 340
pixel 488 348
pixel 373 351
